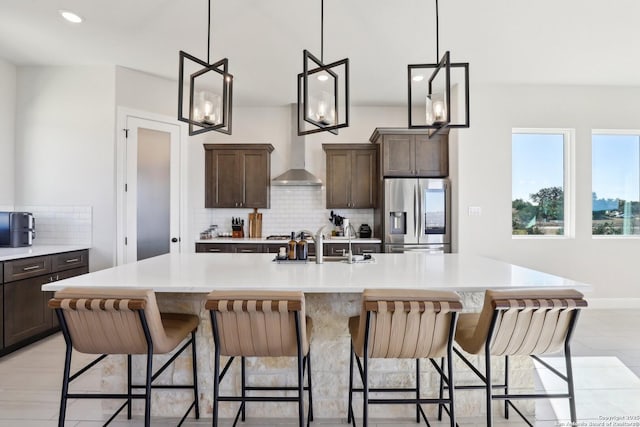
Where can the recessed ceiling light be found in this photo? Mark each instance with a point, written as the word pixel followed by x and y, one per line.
pixel 70 16
pixel 323 77
pixel 418 78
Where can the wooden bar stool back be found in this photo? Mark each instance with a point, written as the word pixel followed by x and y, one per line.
pixel 260 324
pixel 532 323
pixel 109 321
pixel 403 324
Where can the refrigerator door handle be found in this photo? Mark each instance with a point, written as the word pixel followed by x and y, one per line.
pixel 415 213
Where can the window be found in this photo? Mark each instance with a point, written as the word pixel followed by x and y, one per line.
pixel 615 183
pixel 540 193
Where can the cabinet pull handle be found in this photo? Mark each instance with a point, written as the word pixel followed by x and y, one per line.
pixel 72 260
pixel 33 267
pixel 249 251
pixel 214 250
pixel 367 251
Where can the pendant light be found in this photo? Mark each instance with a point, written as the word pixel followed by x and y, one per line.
pixel 209 91
pixel 323 91
pixel 433 104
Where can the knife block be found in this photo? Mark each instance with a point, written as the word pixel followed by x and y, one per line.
pixel 255 224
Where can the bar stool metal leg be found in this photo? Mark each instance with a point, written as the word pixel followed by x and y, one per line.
pixel 506 386
pixel 195 374
pixel 417 390
pixel 309 384
pixel 350 405
pixel 129 387
pixel 67 370
pixel 487 363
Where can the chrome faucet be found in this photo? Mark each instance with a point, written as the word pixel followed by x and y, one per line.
pixel 347 230
pixel 318 239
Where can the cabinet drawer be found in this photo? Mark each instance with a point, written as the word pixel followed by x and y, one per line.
pixel 25 268
pixel 365 248
pixel 244 248
pixel 336 249
pixel 69 260
pixel 214 247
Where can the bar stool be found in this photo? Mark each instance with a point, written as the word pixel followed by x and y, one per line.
pixel 530 323
pixel 260 324
pixel 403 324
pixel 110 321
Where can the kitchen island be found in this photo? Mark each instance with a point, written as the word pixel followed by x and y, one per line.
pixel 333 295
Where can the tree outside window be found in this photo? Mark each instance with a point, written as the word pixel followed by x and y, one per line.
pixel 538 182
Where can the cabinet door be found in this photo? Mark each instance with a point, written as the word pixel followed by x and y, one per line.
pixel 432 156
pixel 255 180
pixel 222 180
pixel 338 178
pixel 1 313
pixel 25 313
pixel 363 179
pixel 398 155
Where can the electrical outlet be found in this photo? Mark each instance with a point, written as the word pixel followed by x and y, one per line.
pixel 475 211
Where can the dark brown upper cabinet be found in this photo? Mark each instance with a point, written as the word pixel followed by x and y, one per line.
pixel 411 153
pixel 352 175
pixel 237 175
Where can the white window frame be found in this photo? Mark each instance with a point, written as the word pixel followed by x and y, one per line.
pixel 623 132
pixel 569 137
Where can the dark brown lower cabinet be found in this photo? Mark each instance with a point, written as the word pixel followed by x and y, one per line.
pixel 26 313
pixel 332 249
pixel 26 316
pixel 338 249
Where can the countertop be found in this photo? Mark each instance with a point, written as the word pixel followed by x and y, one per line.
pixel 9 254
pixel 263 240
pixel 201 273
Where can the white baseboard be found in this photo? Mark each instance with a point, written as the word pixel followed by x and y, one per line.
pixel 609 303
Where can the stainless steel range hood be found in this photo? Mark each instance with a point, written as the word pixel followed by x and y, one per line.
pixel 297 175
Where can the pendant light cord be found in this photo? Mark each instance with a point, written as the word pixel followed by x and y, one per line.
pixel 209 34
pixel 322 31
pixel 437 35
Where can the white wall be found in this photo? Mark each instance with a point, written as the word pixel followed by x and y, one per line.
pixel 65 152
pixel 146 92
pixel 7 131
pixel 484 168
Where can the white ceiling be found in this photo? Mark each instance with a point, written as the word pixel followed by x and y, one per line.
pixel 512 41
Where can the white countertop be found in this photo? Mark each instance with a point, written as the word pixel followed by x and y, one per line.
pixel 201 273
pixel 263 240
pixel 8 254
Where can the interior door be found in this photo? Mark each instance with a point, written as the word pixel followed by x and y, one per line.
pixel 152 200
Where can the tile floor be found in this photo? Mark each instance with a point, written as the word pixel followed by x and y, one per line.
pixel 606 351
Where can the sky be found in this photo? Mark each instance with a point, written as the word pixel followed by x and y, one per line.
pixel 537 161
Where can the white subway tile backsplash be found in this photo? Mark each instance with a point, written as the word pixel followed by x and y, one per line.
pixel 61 225
pixel 292 209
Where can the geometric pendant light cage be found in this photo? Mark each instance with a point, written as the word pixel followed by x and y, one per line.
pixel 323 91
pixel 438 92
pixel 205 91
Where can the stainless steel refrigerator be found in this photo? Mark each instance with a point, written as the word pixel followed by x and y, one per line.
pixel 417 215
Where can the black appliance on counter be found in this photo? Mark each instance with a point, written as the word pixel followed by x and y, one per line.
pixel 17 229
